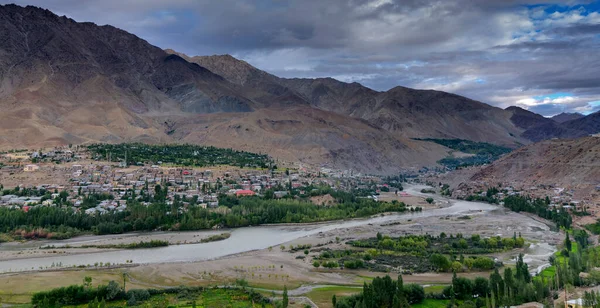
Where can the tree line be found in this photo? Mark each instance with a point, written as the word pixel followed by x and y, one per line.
pixel 178 154
pixel 102 295
pixel 61 222
pixel 382 293
pixel 539 207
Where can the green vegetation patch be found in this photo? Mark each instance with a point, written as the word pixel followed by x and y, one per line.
pixel 435 289
pixel 322 296
pixel 471 147
pixel 216 238
pixel 52 222
pixel 423 253
pixel 483 152
pixel 539 207
pixel 178 154
pixel 432 303
pixel 113 295
pixel 594 228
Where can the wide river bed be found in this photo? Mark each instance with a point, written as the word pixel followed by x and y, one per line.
pixel 241 240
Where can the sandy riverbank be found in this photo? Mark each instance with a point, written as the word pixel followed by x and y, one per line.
pixel 32 249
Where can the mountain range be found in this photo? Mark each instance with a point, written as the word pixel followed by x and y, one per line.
pixel 64 82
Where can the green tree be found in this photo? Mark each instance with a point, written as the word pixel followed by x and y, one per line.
pixel 439 262
pixel 285 301
pixel 414 293
pixel 456 266
pixel 463 288
pixel 131 301
pixel 94 303
pixel 87 282
pixel 481 287
pixel 112 290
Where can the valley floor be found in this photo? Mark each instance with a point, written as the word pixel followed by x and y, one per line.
pixel 271 268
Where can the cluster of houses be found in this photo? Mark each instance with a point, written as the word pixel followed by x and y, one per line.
pixel 84 176
pixel 560 197
pixel 25 202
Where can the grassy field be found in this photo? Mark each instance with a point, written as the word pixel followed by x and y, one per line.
pixel 432 303
pixel 17 289
pixel 360 279
pixel 206 299
pixel 550 271
pixel 322 296
pixel 434 289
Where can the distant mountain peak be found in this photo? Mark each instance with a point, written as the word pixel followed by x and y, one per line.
pixel 234 70
pixel 526 119
pixel 566 116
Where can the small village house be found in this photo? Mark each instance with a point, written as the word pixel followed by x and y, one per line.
pixel 31 168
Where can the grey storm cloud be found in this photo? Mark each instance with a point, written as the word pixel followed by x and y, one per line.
pixel 502 52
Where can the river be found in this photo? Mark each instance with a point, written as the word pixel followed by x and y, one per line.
pixel 241 240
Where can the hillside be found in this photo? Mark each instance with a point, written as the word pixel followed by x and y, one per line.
pixel 67 82
pixel 526 119
pixel 402 111
pixel 565 116
pixel 583 126
pixel 571 163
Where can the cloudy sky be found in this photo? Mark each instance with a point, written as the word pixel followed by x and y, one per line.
pixel 540 55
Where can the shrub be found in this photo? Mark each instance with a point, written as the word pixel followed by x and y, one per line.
pixel 330 264
pixel 131 301
pixel 354 264
pixel 414 293
pixel 139 294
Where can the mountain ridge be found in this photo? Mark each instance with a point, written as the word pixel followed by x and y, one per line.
pixel 398 110
pixel 566 116
pixel 67 82
pixel 579 127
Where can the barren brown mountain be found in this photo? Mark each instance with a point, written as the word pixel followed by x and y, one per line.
pixel 68 82
pixel 566 116
pixel 580 127
pixel 402 111
pixel 571 163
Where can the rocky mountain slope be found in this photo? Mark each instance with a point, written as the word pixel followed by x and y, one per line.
pixel 561 162
pixel 583 126
pixel 526 119
pixel 402 111
pixel 67 82
pixel 566 116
